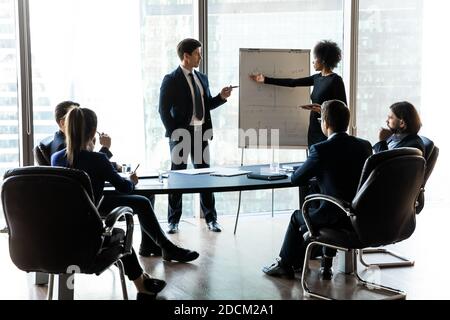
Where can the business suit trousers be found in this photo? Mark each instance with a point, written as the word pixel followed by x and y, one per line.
pixel 199 152
pixel 152 234
pixel 293 250
pixel 131 265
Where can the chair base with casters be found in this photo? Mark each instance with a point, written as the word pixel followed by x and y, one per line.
pixel 391 294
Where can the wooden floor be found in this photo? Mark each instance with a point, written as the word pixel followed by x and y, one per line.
pixel 229 266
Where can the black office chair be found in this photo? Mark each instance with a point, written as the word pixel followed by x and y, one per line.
pixel 382 213
pixel 431 155
pixel 55 228
pixel 42 152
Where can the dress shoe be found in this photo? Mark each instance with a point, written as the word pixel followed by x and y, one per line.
pixel 179 254
pixel 326 271
pixel 277 269
pixel 173 228
pixel 214 226
pixel 153 285
pixel 148 252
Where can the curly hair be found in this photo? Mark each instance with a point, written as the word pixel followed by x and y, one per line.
pixel 329 53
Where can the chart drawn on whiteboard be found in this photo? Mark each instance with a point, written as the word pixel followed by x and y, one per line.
pixel 268 107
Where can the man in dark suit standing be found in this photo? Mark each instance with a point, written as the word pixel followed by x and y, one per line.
pixel 185 104
pixel 337 164
pixel 404 125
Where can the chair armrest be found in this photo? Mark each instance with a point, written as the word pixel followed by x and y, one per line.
pixel 341 204
pixel 114 216
pixel 420 201
pixel 100 202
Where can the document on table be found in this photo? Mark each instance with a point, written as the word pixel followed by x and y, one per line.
pixel 149 182
pixel 220 172
pixel 229 172
pixel 292 167
pixel 193 172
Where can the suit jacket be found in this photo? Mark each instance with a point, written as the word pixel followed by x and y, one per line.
pixel 337 164
pixel 410 141
pixel 176 104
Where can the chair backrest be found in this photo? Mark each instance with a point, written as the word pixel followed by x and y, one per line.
pixel 42 152
pixel 384 205
pixel 52 220
pixel 431 155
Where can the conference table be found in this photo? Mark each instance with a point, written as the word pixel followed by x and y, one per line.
pixel 197 183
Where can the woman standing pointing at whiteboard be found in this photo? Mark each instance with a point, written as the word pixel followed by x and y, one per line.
pixel 327 85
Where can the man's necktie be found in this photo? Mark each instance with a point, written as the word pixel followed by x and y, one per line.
pixel 198 106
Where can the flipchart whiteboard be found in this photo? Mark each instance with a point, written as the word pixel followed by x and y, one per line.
pixel 268 107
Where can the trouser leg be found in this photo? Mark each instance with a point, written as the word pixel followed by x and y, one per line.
pixel 179 157
pixel 292 252
pixel 131 266
pixel 201 160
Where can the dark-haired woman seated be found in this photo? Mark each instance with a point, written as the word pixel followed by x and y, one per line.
pixel 80 130
pixel 327 85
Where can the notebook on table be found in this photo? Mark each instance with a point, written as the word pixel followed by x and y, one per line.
pixel 267 176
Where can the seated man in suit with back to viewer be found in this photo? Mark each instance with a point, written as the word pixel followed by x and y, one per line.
pixel 337 164
pixel 404 125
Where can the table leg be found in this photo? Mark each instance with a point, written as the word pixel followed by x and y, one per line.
pixel 40 278
pixel 345 262
pixel 238 211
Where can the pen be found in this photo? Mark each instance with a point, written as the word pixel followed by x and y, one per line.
pixel 136 168
pixel 234 87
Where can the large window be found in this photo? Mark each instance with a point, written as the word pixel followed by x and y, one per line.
pixel 260 24
pixel 9 133
pixel 9 125
pixel 110 56
pixel 401 55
